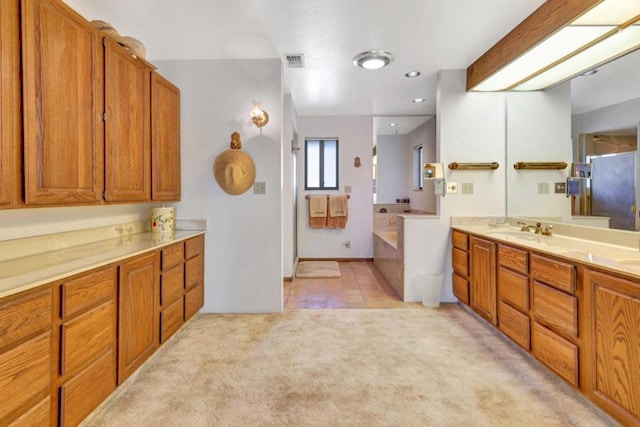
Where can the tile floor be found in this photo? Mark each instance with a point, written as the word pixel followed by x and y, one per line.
pixel 361 286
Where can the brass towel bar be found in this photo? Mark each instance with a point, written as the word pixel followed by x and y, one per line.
pixel 473 166
pixel 540 165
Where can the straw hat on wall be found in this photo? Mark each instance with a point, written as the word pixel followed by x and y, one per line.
pixel 234 169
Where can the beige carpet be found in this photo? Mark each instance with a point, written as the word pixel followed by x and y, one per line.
pixel 318 269
pixel 401 367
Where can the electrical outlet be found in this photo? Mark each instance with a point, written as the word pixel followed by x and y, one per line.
pixel 452 187
pixel 560 187
pixel 467 188
pixel 259 188
pixel 543 188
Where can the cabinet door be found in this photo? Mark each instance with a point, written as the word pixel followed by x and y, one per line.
pixel 165 139
pixel 138 311
pixel 127 140
pixel 613 313
pixel 63 105
pixel 9 102
pixel 483 278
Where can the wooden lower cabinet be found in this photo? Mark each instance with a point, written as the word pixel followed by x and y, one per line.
pixel 138 309
pixel 461 288
pixel 515 325
pixel 560 355
pixel 613 367
pixel 482 291
pixel 39 415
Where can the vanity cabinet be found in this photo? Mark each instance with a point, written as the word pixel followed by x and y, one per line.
pixel 460 262
pixel 165 139
pixel 172 290
pixel 63 100
pixel 10 103
pixel 138 308
pixel 482 254
pixel 513 295
pixel 87 360
pixel 26 349
pixel 613 367
pixel 128 125
pixel 194 276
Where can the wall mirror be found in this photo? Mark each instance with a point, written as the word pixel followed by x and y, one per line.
pixel 401 147
pixel 605 114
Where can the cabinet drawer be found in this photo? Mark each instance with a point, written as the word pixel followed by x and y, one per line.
pixel 461 288
pixel 556 310
pixel 460 262
pixel 86 337
pixel 193 301
pixel 172 256
pixel 85 391
pixel 171 319
pixel 38 415
pixel 81 294
pixel 194 272
pixel 194 246
pixel 460 240
pixel 554 273
pixel 515 259
pixel 172 283
pixel 513 289
pixel 515 325
pixel 24 315
pixel 25 373
pixel 558 354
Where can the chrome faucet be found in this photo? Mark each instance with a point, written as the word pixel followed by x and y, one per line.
pixel 537 228
pixel 547 230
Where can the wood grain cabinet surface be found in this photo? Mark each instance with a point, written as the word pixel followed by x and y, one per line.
pixel 482 254
pixel 138 308
pixel 128 126
pixel 26 347
pixel 63 101
pixel 10 103
pixel 165 139
pixel 194 276
pixel 460 263
pixel 613 373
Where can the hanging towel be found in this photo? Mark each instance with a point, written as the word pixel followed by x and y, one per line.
pixel 338 212
pixel 317 211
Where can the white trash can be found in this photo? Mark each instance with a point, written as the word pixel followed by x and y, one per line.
pixel 431 289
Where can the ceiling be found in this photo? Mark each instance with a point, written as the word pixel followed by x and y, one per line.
pixel 424 35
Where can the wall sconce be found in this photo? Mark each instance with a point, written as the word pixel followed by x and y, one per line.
pixel 558 41
pixel 259 116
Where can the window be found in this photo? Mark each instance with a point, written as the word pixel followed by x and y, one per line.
pixel 321 164
pixel 418 161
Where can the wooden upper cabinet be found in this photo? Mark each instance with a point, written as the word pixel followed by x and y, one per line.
pixel 165 139
pixel 127 128
pixel 9 102
pixel 63 104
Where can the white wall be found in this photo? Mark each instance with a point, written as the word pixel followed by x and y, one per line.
pixel 624 115
pixel 538 130
pixel 425 135
pixel 243 257
pixel 355 135
pixel 393 159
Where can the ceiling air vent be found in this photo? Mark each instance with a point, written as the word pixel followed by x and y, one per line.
pixel 294 60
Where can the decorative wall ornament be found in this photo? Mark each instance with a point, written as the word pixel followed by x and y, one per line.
pixel 356 162
pixel 234 169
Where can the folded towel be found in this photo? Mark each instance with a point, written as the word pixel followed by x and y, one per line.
pixel 317 211
pixel 338 212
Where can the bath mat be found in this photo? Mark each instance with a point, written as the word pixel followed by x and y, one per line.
pixel 318 269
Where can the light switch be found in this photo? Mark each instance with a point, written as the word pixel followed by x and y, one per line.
pixel 467 188
pixel 543 188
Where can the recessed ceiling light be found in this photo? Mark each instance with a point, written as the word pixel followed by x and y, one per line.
pixel 373 59
pixel 412 74
pixel 418 100
pixel 393 125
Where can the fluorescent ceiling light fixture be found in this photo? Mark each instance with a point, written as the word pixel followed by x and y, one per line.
pixel 412 74
pixel 589 39
pixel 418 100
pixel 373 59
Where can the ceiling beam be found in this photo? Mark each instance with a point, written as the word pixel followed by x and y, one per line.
pixel 543 22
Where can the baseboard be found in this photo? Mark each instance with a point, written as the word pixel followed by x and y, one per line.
pixel 337 259
pixel 287 279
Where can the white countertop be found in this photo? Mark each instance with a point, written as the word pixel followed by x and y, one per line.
pixel 26 272
pixel 616 258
